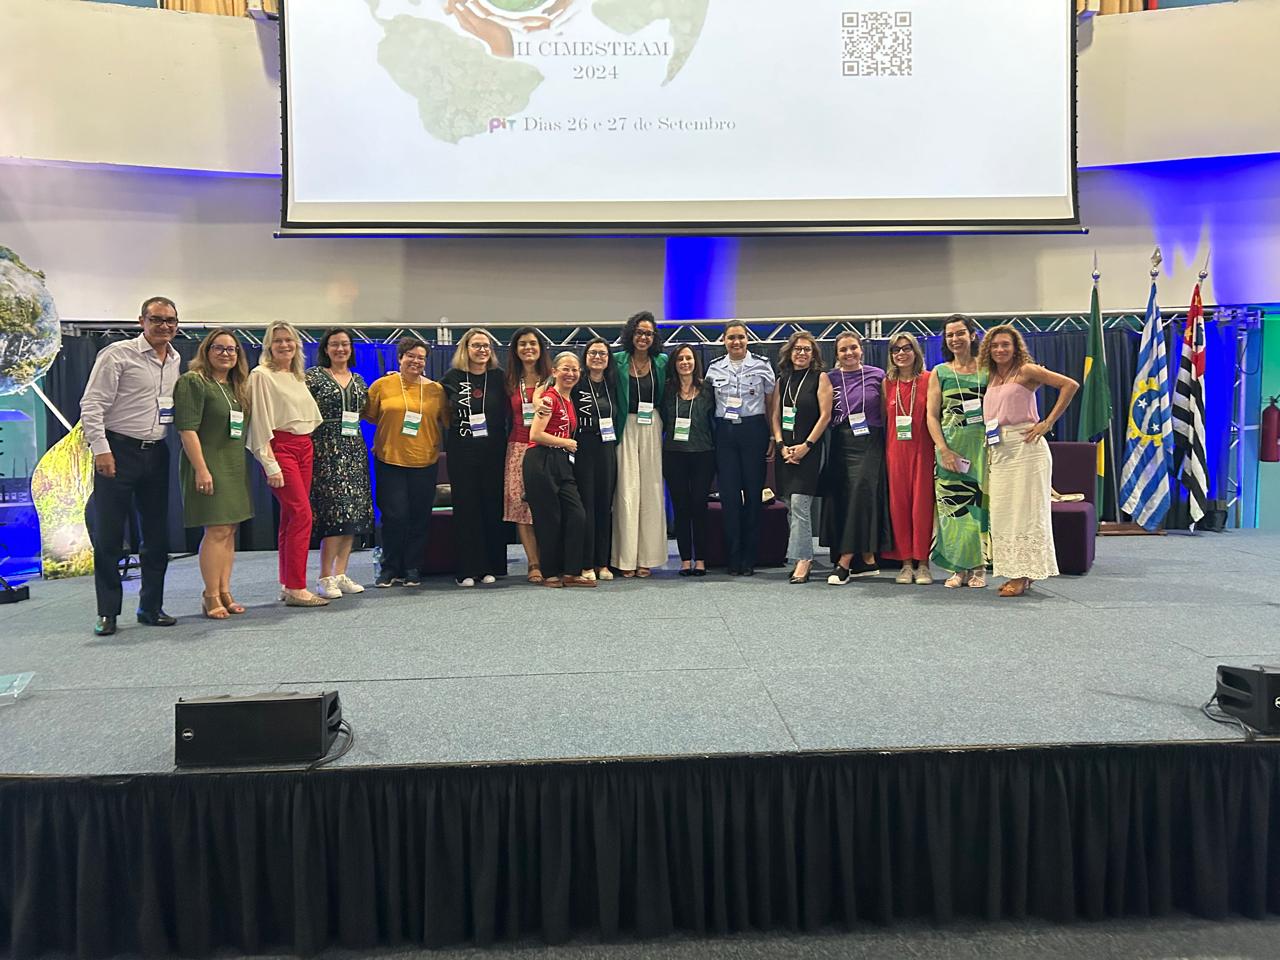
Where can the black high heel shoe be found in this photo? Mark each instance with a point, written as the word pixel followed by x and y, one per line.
pixel 804 579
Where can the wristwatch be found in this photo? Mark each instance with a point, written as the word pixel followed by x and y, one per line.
pixel 809 444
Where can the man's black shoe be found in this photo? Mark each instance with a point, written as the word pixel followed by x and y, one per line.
pixel 748 571
pixel 157 619
pixel 104 626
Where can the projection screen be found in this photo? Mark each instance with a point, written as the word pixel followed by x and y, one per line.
pixel 671 116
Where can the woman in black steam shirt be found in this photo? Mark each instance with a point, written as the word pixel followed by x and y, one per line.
pixel 476 445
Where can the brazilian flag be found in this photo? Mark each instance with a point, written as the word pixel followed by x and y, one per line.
pixel 1095 393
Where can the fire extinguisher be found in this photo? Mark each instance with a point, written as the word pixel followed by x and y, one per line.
pixel 1270 452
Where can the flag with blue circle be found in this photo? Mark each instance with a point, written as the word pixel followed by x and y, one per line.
pixel 1144 481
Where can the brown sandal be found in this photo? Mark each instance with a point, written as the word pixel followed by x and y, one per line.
pixel 229 602
pixel 535 575
pixel 1014 588
pixel 213 608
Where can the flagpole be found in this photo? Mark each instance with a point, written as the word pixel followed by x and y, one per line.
pixel 1111 437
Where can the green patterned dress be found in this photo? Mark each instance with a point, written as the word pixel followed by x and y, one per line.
pixel 962 500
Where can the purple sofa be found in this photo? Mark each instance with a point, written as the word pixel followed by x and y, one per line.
pixel 1075 525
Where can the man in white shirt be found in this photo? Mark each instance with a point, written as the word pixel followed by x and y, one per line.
pixel 126 411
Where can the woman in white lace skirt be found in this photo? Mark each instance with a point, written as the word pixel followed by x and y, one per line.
pixel 1020 467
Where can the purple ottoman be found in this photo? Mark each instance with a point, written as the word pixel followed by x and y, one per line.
pixel 1075 525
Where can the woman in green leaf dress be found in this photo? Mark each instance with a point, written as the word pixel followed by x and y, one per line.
pixel 955 423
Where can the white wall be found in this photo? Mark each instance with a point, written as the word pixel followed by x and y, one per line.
pixel 111 84
pixel 109 237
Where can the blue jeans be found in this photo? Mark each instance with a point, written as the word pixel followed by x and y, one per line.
pixel 799 520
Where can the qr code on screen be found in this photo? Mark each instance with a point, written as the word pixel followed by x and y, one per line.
pixel 876 44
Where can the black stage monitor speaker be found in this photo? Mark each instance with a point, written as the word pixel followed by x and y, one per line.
pixel 1251 694
pixel 285 727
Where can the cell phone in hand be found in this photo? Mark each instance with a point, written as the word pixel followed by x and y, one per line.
pixel 963 465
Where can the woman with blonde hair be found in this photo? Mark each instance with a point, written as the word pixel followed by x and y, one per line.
pixel 476 444
pixel 908 454
pixel 799 414
pixel 1021 466
pixel 279 436
pixel 211 405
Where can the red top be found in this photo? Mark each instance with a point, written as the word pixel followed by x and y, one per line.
pixel 519 432
pixel 563 422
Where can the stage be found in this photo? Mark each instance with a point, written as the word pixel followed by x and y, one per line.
pixel 668 666
pixel 672 755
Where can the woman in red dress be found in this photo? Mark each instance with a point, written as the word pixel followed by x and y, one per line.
pixel 909 458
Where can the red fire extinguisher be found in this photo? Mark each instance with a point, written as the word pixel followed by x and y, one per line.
pixel 1270 452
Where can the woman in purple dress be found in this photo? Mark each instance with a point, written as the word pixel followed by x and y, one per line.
pixel 855 508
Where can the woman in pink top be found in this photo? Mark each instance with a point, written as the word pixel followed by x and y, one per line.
pixel 1020 467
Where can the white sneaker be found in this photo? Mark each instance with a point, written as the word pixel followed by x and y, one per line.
pixel 328 588
pixel 905 575
pixel 466 582
pixel 488 578
pixel 924 574
pixel 346 584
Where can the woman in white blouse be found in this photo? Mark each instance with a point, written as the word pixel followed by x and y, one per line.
pixel 284 416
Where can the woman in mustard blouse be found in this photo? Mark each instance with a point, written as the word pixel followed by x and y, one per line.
pixel 408 412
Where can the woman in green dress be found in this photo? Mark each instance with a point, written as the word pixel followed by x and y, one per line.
pixel 960 481
pixel 210 412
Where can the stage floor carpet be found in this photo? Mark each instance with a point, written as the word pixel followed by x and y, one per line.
pixel 667 666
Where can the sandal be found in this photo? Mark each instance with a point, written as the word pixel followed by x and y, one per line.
pixel 229 602
pixel 957 579
pixel 978 579
pixel 553 582
pixel 535 575
pixel 643 572
pixel 628 574
pixel 212 607
pixel 1014 588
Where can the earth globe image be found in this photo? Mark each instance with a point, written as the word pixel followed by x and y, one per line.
pixel 29 331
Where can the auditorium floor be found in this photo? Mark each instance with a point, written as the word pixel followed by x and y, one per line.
pixel 1177 938
pixel 666 666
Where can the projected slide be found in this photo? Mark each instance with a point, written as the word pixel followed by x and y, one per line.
pixel 580 113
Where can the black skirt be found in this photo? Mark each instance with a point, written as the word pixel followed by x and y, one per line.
pixel 855 506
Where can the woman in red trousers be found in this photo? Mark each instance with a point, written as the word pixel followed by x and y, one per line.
pixel 284 416
pixel 909 458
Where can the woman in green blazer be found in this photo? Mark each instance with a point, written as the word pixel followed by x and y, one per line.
pixel 639 507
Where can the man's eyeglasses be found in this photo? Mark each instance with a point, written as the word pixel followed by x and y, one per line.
pixel 224 350
pixel 161 321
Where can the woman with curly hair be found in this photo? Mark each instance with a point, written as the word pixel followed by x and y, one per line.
pixel 528 369
pixel 1021 467
pixel 639 508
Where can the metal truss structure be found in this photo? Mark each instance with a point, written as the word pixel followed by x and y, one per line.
pixel 1247 322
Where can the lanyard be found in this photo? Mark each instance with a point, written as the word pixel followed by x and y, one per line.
pixel 232 404
pixel 862 390
pixel 405 395
pixel 653 388
pixel 342 391
pixel 595 404
pixel 793 395
pixel 897 397
pixel 960 383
